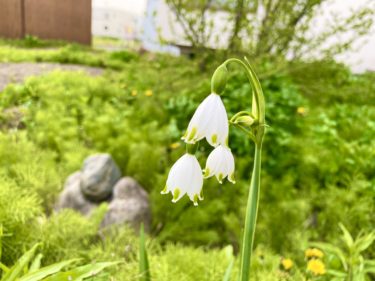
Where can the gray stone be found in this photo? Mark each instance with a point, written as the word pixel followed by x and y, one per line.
pixel 72 198
pixel 130 205
pixel 99 174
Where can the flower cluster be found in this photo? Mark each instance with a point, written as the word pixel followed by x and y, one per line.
pixel 210 122
pixel 315 265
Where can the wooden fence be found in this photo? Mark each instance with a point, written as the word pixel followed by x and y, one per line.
pixel 68 20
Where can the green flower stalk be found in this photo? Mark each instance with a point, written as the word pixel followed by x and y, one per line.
pixel 210 122
pixel 255 131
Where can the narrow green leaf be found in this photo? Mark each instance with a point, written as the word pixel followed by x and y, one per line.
pixel 228 250
pixel 370 266
pixel 228 271
pixel 81 273
pixel 144 268
pixel 347 237
pixel 370 270
pixel 16 270
pixel 35 265
pixel 370 262
pixel 94 269
pixel 361 244
pixel 41 273
pixel 1 235
pixel 4 268
pixel 336 273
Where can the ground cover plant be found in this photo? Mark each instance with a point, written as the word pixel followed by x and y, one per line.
pixel 317 168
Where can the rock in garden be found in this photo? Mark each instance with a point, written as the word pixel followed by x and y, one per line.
pixel 130 205
pixel 99 174
pixel 72 198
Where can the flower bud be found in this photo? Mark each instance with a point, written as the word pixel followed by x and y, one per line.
pixel 245 120
pixel 219 79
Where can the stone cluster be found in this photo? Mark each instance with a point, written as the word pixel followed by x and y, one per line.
pixel 99 180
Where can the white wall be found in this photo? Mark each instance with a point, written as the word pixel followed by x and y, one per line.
pixel 132 6
pixel 121 19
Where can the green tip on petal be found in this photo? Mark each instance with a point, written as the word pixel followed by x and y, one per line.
pixel 220 178
pixel 214 138
pixel 226 141
pixel 164 191
pixel 196 200
pixel 185 135
pixel 231 178
pixel 201 197
pixel 176 194
pixel 206 173
pixel 192 134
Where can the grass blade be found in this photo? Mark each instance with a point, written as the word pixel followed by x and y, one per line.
pixel 229 253
pixel 1 235
pixel 81 273
pixel 144 268
pixel 35 265
pixel 228 271
pixel 43 272
pixel 17 269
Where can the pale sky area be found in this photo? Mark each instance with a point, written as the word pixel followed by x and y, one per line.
pixel 363 58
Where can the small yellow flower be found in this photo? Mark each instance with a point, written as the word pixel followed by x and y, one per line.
pixel 316 267
pixel 175 145
pixel 287 264
pixel 302 110
pixel 148 93
pixel 134 93
pixel 314 253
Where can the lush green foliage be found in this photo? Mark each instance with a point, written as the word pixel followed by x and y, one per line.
pixel 352 264
pixel 28 268
pixel 317 168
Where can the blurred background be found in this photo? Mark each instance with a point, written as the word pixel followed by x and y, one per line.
pixel 297 29
pixel 123 78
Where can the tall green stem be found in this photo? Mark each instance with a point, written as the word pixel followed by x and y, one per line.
pixel 251 216
pixel 258 110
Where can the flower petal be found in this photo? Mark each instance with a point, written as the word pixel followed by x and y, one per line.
pixel 209 121
pixel 195 189
pixel 184 177
pixel 200 119
pixel 220 163
pixel 218 127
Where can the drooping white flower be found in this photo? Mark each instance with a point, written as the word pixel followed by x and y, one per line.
pixel 209 121
pixel 220 163
pixel 185 177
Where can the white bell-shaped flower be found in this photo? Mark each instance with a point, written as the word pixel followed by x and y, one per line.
pixel 220 163
pixel 209 121
pixel 185 177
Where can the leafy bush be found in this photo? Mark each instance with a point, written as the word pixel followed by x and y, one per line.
pixel 18 210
